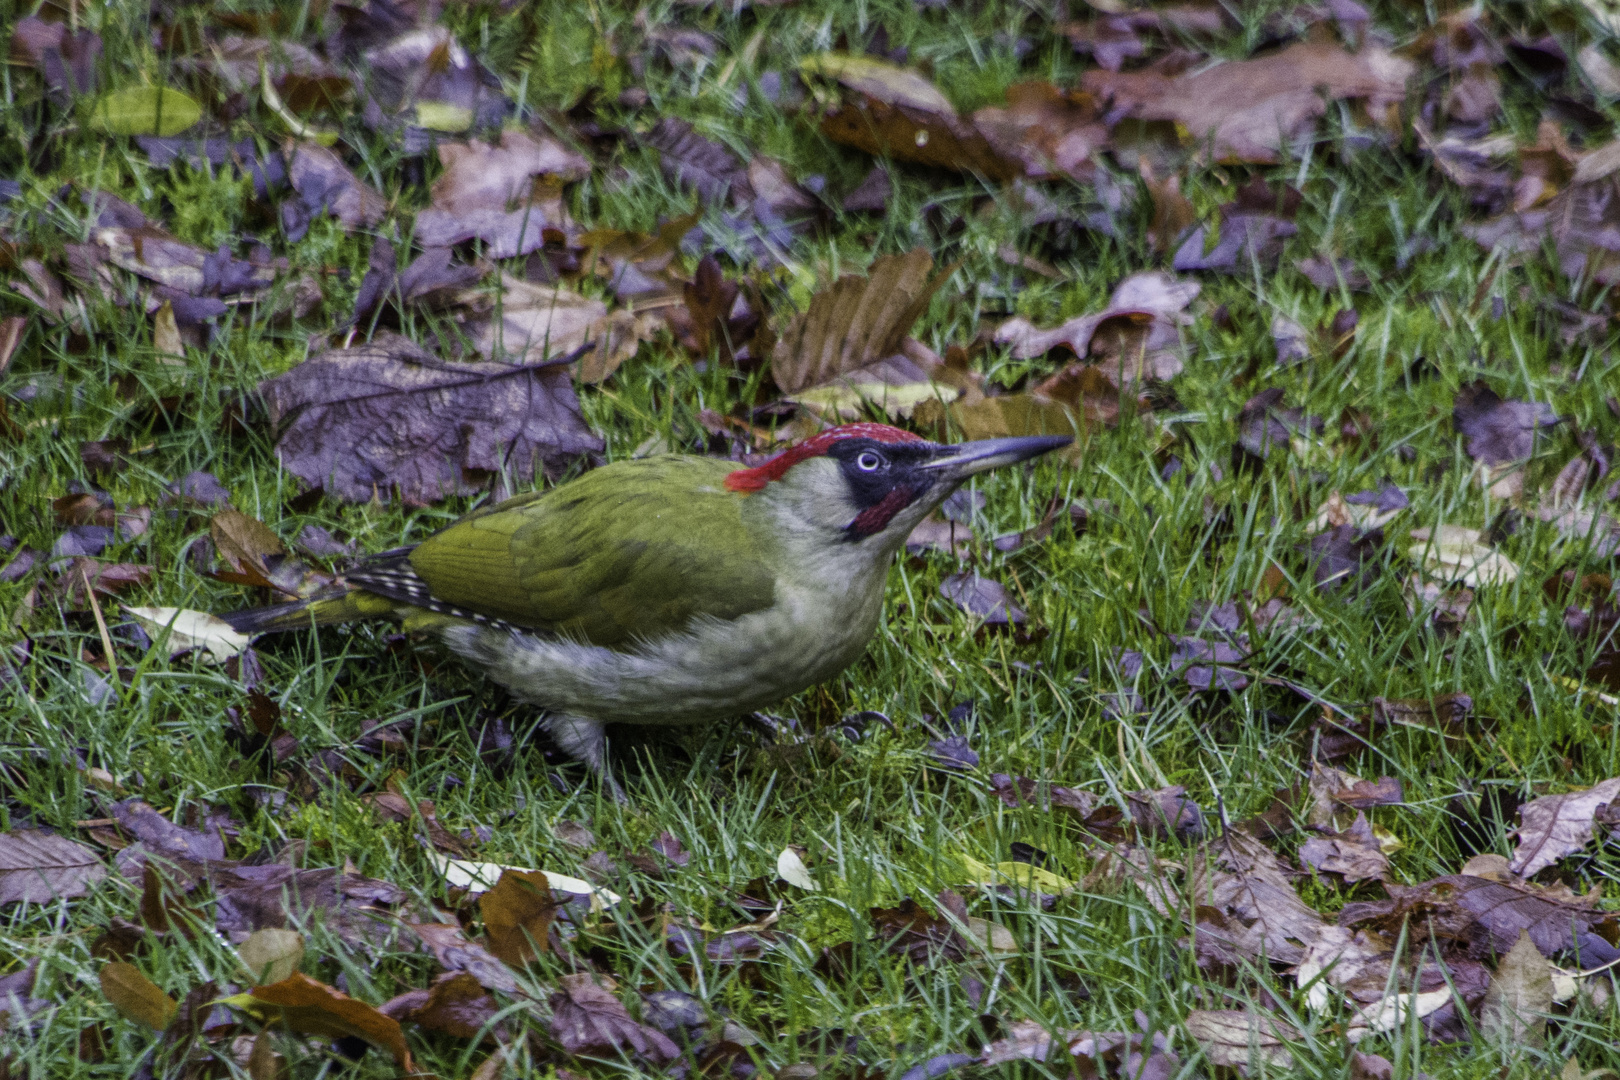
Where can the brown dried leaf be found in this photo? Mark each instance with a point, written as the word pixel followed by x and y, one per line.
pixel 856 322
pixel 324 182
pixel 1248 110
pixel 1051 132
pixel 37 867
pixel 454 952
pixel 455 1004
pixel 1553 826
pixel 1242 1039
pixel 588 1020
pixel 517 916
pixel 1353 854
pixel 135 996
pixel 302 1004
pixel 364 421
pixel 494 193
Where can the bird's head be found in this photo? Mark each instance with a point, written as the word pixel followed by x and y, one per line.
pixel 870 483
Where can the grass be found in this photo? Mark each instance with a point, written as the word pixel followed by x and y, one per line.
pixel 879 823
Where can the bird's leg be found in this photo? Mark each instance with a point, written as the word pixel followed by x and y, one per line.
pixel 586 739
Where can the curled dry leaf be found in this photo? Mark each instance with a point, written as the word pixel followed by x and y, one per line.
pixel 325 183
pixel 1553 826
pixel 495 193
pixel 191 631
pixel 1453 553
pixel 1250 110
pixel 365 421
pixel 136 997
pixel 588 1020
pixel 1521 994
pixel 856 322
pixel 1242 1039
pixel 38 867
pixel 1139 330
pixel 300 1003
pixel 899 114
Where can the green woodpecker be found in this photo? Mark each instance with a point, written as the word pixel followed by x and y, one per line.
pixel 668 590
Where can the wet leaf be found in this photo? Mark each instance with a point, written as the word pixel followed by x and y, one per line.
pixel 1553 826
pixel 188 631
pixel 455 1004
pixel 309 1007
pixel 1454 553
pixel 353 908
pixel 144 110
pixel 1242 1039
pixel 1248 110
pixel 982 598
pixel 897 113
pixel 517 914
pixel 588 1020
pixel 701 164
pixel 1498 431
pixel 326 185
pixel 856 322
pixel 37 867
pixel 135 996
pixel 1521 994
pixel 163 837
pixel 1354 854
pixel 495 193
pixel 368 420
pixel 455 952
pixel 272 954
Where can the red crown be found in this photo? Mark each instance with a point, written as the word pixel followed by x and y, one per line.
pixel 744 481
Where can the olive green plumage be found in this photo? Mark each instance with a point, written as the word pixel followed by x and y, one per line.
pixel 635 549
pixel 632 550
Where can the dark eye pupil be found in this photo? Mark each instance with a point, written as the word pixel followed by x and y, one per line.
pixel 868 462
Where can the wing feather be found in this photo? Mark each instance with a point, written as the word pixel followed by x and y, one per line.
pixel 633 550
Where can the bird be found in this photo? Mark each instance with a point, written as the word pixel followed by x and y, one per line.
pixel 667 590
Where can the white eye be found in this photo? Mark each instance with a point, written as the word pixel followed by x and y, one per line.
pixel 869 462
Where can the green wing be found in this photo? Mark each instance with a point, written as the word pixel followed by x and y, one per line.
pixel 635 549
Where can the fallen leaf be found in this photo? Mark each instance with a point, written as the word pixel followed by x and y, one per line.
pixel 1242 1039
pixel 135 996
pixel 856 322
pixel 37 867
pixel 1499 431
pixel 455 1004
pixel 326 185
pixel 494 192
pixel 1354 854
pixel 1250 110
pixel 588 1020
pixel 144 110
pixel 363 421
pixel 309 1007
pixel 982 598
pixel 187 631
pixel 1521 994
pixel 353 908
pixel 1553 826
pixel 517 915
pixel 1050 132
pixel 791 869
pixel 897 113
pixel 272 954
pixel 1454 553
pixel 163 837
pixel 456 952
pixel 701 164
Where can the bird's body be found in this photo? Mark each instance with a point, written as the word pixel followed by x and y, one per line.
pixel 672 590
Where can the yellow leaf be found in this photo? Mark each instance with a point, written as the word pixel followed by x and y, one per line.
pixel 144 110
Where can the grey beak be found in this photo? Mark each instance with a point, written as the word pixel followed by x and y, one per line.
pixel 962 460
